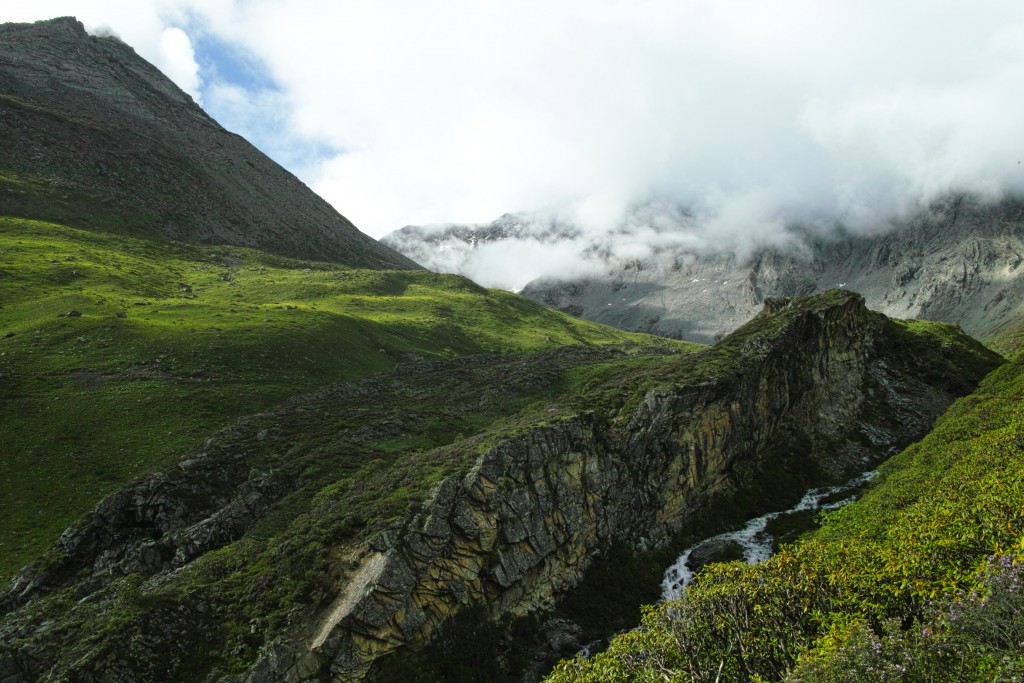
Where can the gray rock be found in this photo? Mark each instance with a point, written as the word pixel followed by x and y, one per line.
pixel 958 260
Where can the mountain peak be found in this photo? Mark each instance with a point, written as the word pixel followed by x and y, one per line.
pixel 86 116
pixel 67 26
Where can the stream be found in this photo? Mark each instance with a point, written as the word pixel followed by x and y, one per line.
pixel 754 541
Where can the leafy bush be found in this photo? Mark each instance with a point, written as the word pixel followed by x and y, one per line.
pixel 918 581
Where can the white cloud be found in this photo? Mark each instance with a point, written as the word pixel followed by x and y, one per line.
pixel 750 113
pixel 178 61
pixel 512 265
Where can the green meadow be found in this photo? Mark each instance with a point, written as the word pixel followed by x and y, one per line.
pixel 120 354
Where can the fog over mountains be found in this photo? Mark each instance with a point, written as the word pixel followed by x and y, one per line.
pixel 244 442
pixel 957 259
pixel 750 116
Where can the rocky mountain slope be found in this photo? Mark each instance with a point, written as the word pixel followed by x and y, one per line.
pixel 459 248
pixel 919 580
pixel 300 554
pixel 117 146
pixel 227 464
pixel 959 261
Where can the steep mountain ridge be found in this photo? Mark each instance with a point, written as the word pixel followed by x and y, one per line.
pixel 919 580
pixel 959 260
pixel 117 146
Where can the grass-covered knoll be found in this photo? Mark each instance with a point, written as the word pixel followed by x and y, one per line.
pixel 917 581
pixel 119 354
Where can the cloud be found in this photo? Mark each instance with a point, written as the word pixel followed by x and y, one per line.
pixel 751 114
pixel 178 61
pixel 742 115
pixel 915 142
pixel 511 265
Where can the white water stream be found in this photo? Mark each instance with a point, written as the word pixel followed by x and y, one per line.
pixel 752 538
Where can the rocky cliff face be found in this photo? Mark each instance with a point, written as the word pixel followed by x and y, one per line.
pixel 522 527
pixel 810 391
pixel 958 261
pixel 119 146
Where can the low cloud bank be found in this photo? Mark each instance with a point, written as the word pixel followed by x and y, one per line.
pixel 610 115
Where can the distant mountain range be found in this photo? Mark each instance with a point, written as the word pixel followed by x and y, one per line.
pixel 958 261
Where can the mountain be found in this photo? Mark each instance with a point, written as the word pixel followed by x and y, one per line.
pixel 505 227
pixel 919 580
pixel 223 462
pixel 958 261
pixel 108 142
pixel 453 244
pixel 301 553
pixel 126 339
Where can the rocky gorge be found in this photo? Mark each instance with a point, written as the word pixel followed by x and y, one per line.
pixel 808 392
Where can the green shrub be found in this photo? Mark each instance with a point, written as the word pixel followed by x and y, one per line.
pixel 917 581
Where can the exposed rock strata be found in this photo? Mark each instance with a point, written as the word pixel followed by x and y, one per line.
pixel 525 523
pixel 809 391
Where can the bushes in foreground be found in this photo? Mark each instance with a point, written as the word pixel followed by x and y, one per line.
pixel 921 580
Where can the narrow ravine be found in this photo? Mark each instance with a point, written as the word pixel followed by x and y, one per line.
pixel 753 539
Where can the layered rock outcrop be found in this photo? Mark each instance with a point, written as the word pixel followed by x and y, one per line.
pixel 824 397
pixel 808 392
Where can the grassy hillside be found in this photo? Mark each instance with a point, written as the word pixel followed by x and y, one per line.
pixel 246 547
pixel 918 581
pixel 118 354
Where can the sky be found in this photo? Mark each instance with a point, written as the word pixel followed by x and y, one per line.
pixel 743 116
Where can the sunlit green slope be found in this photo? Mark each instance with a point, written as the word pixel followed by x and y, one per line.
pixel 118 354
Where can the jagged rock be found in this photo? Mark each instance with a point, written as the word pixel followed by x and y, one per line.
pixel 809 391
pixel 539 507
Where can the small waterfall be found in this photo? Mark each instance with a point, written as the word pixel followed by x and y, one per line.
pixel 755 542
